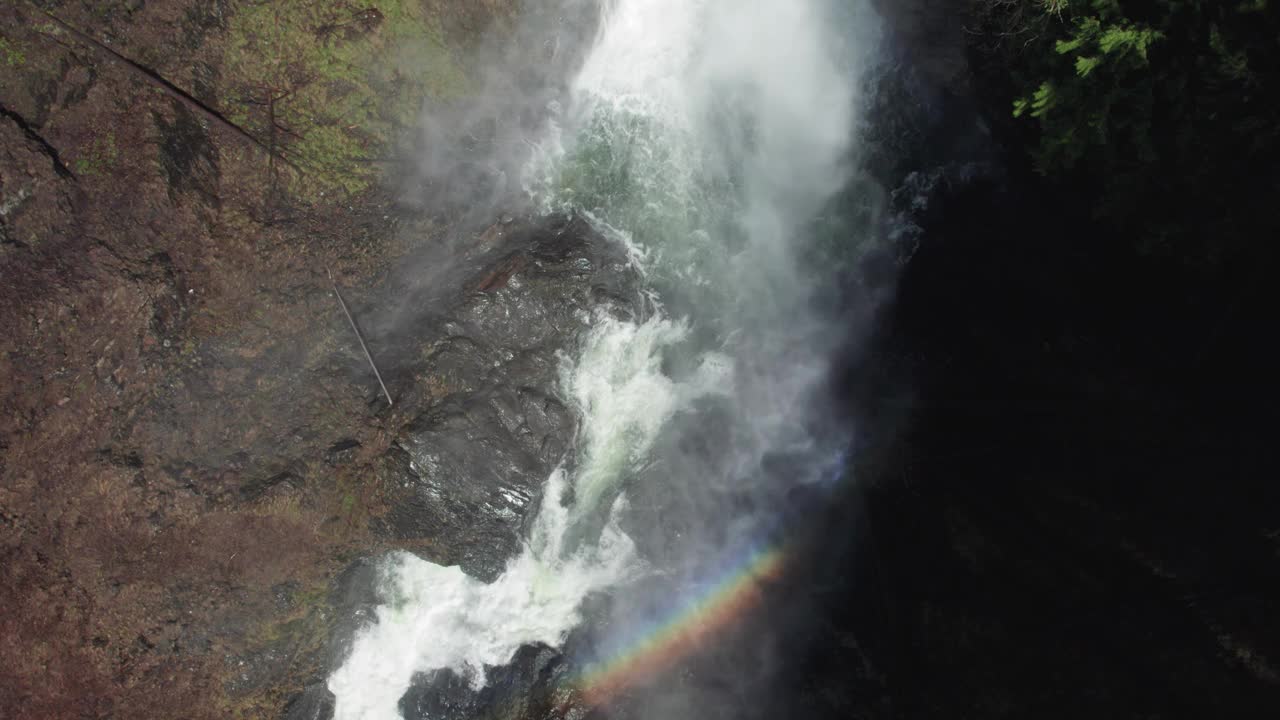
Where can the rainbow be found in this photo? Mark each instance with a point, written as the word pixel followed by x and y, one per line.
pixel 687 626
pixel 681 632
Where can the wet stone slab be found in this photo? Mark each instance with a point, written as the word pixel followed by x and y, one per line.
pixel 464 475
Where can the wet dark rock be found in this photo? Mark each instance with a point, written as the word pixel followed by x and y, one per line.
pixel 441 695
pixel 187 155
pixel 466 472
pixel 255 489
pixel 485 323
pixel 349 607
pixel 526 688
pixel 353 600
pixel 927 29
pixel 342 452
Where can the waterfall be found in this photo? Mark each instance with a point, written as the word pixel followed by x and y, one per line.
pixel 707 135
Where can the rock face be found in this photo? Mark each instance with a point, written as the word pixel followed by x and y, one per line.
pixel 927 29
pixel 473 352
pixel 191 448
pixel 462 477
pixel 523 689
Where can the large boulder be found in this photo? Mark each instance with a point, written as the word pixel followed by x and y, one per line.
pixel 474 341
pixel 525 688
pixel 462 477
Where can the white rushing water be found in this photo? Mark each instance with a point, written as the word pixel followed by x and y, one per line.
pixel 437 617
pixel 704 132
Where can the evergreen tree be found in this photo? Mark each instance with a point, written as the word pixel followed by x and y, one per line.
pixel 1164 109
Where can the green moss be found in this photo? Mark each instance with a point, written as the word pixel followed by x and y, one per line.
pixel 330 86
pixel 348 503
pixel 350 510
pixel 11 54
pixel 98 156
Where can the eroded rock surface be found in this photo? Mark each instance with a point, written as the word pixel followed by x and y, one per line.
pixel 525 688
pixel 477 349
pixel 192 446
pixel 466 472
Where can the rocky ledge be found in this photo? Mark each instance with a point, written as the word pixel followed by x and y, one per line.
pixel 483 342
pixel 461 477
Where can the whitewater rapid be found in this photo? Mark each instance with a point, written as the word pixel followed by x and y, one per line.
pixel 702 133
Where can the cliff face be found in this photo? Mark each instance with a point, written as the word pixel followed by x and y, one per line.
pixel 193 446
pixel 929 34
pixel 1070 516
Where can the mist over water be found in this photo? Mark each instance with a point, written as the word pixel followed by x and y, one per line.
pixel 709 136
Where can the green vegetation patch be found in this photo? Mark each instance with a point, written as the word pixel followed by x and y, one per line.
pixel 1097 87
pixel 1161 112
pixel 329 85
pixel 98 156
pixel 11 54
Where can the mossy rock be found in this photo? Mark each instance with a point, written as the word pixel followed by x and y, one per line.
pixel 11 53
pixel 330 85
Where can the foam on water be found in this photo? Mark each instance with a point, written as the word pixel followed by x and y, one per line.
pixel 438 617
